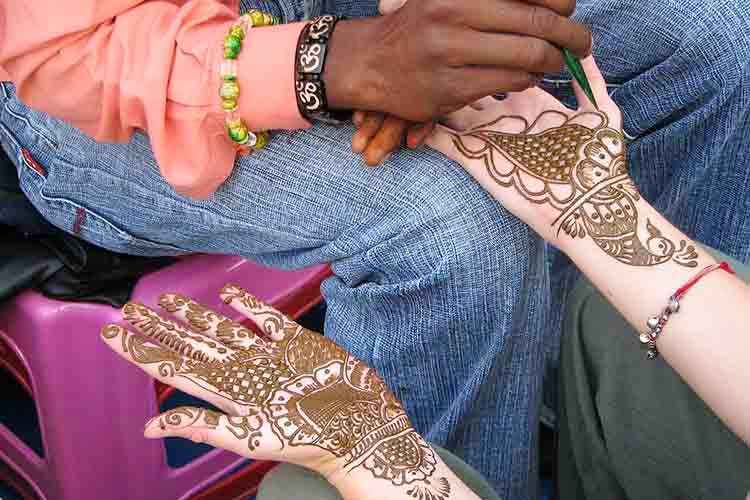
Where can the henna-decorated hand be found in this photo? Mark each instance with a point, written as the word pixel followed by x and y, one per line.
pixel 562 171
pixel 291 396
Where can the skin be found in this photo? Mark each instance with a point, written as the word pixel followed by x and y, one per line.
pixel 379 135
pixel 432 57
pixel 188 352
pixel 639 289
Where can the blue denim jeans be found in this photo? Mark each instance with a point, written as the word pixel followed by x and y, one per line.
pixel 436 285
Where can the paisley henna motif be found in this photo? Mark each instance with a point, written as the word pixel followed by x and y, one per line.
pixel 580 170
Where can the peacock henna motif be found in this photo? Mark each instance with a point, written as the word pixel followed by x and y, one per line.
pixel 580 169
pixel 302 389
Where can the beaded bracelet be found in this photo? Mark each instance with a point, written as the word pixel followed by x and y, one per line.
pixel 657 323
pixel 244 140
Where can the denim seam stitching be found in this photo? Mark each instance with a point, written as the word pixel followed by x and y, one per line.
pixel 28 123
pixel 127 237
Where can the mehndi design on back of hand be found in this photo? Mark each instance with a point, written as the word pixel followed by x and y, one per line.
pixel 581 171
pixel 301 389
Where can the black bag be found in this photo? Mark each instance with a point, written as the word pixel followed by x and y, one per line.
pixel 35 254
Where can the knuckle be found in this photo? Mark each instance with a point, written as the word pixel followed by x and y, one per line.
pixel 433 42
pixel 438 9
pixel 542 20
pixel 566 7
pixel 536 53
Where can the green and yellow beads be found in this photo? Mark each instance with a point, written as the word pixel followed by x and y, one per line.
pixel 244 139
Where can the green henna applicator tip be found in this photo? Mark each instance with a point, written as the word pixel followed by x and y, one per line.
pixel 575 68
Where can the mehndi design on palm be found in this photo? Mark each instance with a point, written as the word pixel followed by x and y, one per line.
pixel 573 161
pixel 294 396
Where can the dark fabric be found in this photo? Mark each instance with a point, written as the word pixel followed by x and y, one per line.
pixel 292 482
pixel 15 209
pixel 63 267
pixel 631 428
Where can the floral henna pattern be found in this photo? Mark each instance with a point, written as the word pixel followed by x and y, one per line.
pixel 441 490
pixel 580 170
pixel 243 428
pixel 303 389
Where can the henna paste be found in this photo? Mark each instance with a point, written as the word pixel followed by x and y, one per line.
pixel 303 389
pixel 582 172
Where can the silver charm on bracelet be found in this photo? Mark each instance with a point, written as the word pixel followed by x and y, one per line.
pixel 655 326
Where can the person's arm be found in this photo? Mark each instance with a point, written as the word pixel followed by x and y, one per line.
pixel 564 172
pixel 287 394
pixel 116 67
pixel 111 68
pixel 707 342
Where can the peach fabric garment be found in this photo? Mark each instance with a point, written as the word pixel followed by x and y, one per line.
pixel 113 67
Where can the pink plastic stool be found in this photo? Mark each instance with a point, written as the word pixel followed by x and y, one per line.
pixel 92 406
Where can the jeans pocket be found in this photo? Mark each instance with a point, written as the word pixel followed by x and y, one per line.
pixel 57 197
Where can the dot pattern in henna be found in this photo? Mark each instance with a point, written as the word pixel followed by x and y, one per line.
pixel 583 174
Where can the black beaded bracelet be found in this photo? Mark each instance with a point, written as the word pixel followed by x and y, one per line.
pixel 309 66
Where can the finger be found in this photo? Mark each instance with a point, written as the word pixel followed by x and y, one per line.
pixel 390 6
pixel 600 90
pixel 484 103
pixel 204 320
pixel 173 335
pixel 166 366
pixel 371 123
pixel 417 134
pixel 478 82
pixel 270 321
pixel 389 138
pixel 237 434
pixel 596 80
pixel 508 51
pixel 358 117
pixel 522 18
pixel 562 7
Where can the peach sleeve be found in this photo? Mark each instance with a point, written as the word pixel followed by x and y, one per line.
pixel 111 68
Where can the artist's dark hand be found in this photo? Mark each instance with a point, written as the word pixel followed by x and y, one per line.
pixel 432 57
pixel 379 135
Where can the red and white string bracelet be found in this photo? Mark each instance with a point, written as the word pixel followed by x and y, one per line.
pixel 657 323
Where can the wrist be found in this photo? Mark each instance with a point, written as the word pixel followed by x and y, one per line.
pixel 351 484
pixel 347 72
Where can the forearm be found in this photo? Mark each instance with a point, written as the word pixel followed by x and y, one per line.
pixel 707 342
pixel 357 483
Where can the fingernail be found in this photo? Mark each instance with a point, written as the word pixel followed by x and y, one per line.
pixel 150 421
pixel 386 158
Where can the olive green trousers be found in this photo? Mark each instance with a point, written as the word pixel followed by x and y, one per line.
pixel 629 428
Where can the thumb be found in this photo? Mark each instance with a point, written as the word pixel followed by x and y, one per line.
pixel 196 424
pixel 200 425
pixel 390 6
